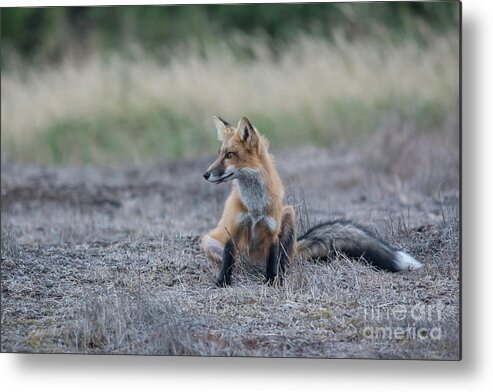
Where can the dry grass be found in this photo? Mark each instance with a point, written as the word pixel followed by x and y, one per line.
pixel 10 247
pixel 115 109
pixel 106 260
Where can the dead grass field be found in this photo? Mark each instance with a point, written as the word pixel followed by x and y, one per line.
pixel 98 259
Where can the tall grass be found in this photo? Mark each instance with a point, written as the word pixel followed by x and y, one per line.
pixel 113 109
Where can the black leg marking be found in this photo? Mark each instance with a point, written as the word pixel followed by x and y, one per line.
pixel 272 263
pixel 286 243
pixel 286 238
pixel 224 278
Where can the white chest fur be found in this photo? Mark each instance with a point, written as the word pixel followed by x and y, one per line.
pixel 253 195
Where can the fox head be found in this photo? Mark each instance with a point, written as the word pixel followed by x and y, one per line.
pixel 240 153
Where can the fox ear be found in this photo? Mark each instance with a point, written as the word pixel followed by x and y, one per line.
pixel 223 128
pixel 248 134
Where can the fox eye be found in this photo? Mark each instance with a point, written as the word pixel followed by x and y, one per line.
pixel 230 155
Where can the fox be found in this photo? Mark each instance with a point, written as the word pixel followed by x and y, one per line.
pixel 257 222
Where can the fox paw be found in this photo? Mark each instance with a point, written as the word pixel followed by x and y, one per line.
pixel 223 282
pixel 273 281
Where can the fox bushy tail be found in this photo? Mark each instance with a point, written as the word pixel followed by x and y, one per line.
pixel 354 241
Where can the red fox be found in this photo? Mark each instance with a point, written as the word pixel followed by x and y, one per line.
pixel 255 219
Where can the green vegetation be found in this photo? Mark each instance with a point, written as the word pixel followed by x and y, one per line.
pixel 133 84
pixel 110 139
pixel 45 32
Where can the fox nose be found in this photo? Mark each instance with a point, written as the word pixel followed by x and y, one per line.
pixel 207 175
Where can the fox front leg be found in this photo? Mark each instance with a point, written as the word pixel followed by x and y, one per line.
pixel 287 238
pixel 224 278
pixel 282 251
pixel 272 263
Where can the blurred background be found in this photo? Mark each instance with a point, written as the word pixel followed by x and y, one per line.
pixel 133 84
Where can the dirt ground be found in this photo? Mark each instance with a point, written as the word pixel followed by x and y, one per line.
pixel 106 260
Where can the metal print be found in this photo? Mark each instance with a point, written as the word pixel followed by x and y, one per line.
pixel 265 180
